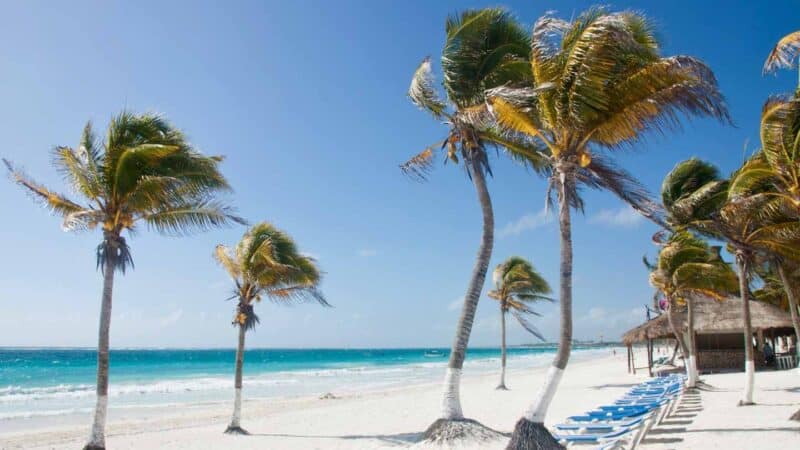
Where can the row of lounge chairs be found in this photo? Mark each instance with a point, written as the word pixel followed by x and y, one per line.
pixel 623 424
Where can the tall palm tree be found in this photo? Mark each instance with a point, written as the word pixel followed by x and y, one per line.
pixel 688 267
pixel 144 172
pixel 483 49
pixel 784 55
pixel 517 285
pixel 265 263
pixel 597 83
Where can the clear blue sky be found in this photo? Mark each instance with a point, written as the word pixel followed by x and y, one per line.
pixel 307 101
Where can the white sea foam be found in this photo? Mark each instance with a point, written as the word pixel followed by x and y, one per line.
pixel 18 402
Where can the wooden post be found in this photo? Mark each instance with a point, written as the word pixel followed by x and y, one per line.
pixel 650 357
pixel 628 356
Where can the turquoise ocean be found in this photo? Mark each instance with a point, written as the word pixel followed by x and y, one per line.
pixel 50 381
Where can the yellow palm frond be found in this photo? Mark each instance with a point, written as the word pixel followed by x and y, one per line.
pixel 784 53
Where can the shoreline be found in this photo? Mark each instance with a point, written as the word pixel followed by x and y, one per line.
pixel 395 417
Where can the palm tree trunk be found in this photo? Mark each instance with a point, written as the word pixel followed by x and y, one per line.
pixel 451 401
pixel 692 367
pixel 97 440
pixel 678 338
pixel 787 286
pixel 502 385
pixel 530 431
pixel 749 361
pixel 235 426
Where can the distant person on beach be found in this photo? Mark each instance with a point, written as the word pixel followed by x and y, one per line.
pixel 769 354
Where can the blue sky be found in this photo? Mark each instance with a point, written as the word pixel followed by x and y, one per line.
pixel 307 101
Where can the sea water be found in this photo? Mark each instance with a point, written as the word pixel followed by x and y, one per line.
pixel 49 381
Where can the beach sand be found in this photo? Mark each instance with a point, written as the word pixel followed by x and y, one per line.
pixel 396 418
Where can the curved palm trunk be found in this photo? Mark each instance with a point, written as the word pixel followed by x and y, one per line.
pixel 787 286
pixel 235 426
pixel 530 432
pixel 97 440
pixel 678 337
pixel 692 365
pixel 502 385
pixel 451 401
pixel 749 362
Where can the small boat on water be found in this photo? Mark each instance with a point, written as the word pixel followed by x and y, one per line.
pixel 433 354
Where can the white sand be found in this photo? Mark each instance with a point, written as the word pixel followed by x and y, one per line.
pixel 396 418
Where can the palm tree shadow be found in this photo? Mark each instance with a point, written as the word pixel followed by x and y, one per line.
pixel 619 385
pixel 397 439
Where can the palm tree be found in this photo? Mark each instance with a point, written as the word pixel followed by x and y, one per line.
pixel 784 55
pixel 597 83
pixel 265 263
pixel 688 267
pixel 145 171
pixel 775 170
pixel 689 192
pixel 483 49
pixel 517 284
pixel 753 225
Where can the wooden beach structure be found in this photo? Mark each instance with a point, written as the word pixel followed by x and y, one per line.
pixel 719 336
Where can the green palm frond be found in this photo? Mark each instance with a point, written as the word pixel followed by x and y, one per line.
pixel 189 217
pixel 482 50
pixel 266 262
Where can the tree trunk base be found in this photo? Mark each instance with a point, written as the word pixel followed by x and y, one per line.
pixel 795 416
pixel 93 447
pixel 453 431
pixel 236 430
pixel 744 403
pixel 501 387
pixel 532 436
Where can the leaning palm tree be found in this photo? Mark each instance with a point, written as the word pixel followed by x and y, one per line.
pixel 775 171
pixel 785 55
pixel 483 49
pixel 688 267
pixel 754 223
pixel 265 263
pixel 144 172
pixel 597 83
pixel 517 285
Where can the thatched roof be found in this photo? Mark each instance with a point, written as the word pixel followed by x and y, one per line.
pixel 712 317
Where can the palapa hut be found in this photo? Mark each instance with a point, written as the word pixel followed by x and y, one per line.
pixel 718 332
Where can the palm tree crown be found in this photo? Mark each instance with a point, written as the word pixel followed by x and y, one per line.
pixel 144 171
pixel 517 285
pixel 688 266
pixel 266 263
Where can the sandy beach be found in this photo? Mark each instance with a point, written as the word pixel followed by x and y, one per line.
pixel 395 418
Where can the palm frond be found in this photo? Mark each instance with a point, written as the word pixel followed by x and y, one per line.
pixel 422 91
pixel 420 165
pixel 527 325
pixel 784 54
pixel 185 218
pixel 603 174
pixel 57 203
pixel 227 260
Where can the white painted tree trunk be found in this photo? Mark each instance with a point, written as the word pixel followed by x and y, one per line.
pixel 236 419
pixel 451 402
pixel 538 410
pixel 749 384
pixel 742 260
